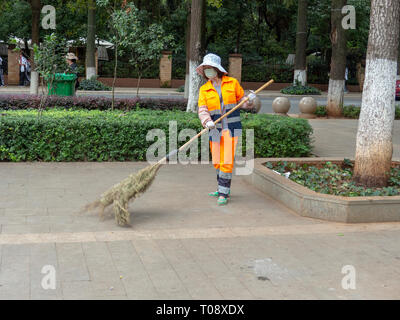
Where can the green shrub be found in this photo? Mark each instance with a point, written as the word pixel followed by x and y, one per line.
pixel 321 111
pixel 351 111
pixel 301 90
pixel 82 135
pixel 93 85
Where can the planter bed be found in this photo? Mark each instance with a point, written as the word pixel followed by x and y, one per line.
pixel 308 203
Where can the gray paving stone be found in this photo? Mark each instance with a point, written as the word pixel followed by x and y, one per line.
pixel 163 276
pixel 252 248
pixel 227 284
pixel 14 269
pixel 25 228
pixel 15 291
pixel 197 283
pixel 131 270
pixel 71 262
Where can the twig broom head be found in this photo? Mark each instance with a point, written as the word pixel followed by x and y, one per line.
pixel 120 194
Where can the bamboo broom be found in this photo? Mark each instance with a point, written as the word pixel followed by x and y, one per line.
pixel 137 183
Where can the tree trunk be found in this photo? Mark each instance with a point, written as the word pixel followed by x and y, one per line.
pixel 138 84
pixel 196 51
pixel 338 61
pixel 90 41
pixel 300 73
pixel 374 147
pixel 187 78
pixel 36 7
pixel 115 77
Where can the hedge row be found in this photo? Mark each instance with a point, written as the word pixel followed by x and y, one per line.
pixel 62 135
pixel 18 102
pixel 351 111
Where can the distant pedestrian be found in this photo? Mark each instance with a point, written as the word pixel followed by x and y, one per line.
pixel 346 77
pixel 73 67
pixel 23 64
pixel 1 73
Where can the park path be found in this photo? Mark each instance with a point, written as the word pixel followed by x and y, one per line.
pixel 182 245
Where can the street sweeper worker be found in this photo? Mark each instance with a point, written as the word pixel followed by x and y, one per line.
pixel 219 95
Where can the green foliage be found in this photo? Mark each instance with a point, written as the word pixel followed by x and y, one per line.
pixel 93 85
pixel 334 179
pixel 276 136
pixel 351 111
pixel 143 41
pixel 301 90
pixel 50 56
pixel 82 135
pixel 321 111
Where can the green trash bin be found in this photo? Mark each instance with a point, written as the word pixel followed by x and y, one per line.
pixel 63 84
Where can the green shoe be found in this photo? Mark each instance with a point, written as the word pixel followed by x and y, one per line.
pixel 215 194
pixel 222 202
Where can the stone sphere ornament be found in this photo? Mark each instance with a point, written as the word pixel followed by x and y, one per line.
pixel 307 106
pixel 281 106
pixel 257 105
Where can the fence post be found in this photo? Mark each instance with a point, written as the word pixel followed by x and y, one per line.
pixel 166 69
pixel 13 66
pixel 235 66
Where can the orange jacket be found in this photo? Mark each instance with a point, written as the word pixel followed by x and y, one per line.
pixel 210 106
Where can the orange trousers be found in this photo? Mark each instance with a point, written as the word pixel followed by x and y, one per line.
pixel 223 155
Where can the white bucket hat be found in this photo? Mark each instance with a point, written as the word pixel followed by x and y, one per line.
pixel 211 60
pixel 71 56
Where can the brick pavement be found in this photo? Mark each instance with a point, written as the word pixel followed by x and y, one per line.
pixel 182 245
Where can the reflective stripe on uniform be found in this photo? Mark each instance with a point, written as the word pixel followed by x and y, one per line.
pixel 225 175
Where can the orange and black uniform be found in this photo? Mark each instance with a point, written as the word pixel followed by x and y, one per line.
pixel 223 139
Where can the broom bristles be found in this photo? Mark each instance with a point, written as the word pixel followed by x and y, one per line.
pixel 121 193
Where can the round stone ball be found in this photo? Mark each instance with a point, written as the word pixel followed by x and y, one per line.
pixel 281 105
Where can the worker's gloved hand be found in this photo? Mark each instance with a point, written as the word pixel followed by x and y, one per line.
pixel 252 96
pixel 210 124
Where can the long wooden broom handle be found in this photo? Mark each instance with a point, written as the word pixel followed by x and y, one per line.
pixel 220 118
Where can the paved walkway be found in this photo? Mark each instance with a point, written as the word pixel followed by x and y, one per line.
pixel 337 137
pixel 182 245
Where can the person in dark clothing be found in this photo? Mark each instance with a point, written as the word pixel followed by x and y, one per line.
pixel 1 73
pixel 23 65
pixel 73 67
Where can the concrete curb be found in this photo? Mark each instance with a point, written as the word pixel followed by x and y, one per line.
pixel 308 203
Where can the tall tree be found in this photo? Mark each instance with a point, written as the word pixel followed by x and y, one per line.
pixel 196 51
pixel 374 148
pixel 90 40
pixel 188 23
pixel 36 7
pixel 300 63
pixel 338 60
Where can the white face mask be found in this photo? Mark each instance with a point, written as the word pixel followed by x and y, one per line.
pixel 210 73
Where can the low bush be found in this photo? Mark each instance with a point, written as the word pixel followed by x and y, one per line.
pixel 93 85
pixel 351 111
pixel 83 135
pixel 19 102
pixel 301 90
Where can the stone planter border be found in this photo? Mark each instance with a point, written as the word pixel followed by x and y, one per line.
pixel 308 203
